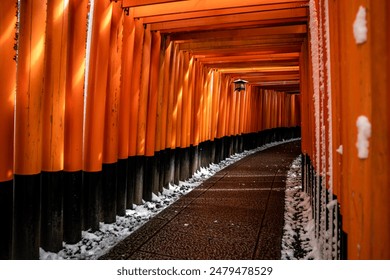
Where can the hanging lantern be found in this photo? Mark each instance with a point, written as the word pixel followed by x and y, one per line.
pixel 239 85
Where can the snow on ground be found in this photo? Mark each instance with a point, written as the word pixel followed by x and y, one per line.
pixel 95 244
pixel 299 240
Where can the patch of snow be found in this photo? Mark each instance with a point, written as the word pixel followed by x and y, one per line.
pixel 364 133
pixel 299 241
pixel 95 244
pixel 340 149
pixel 360 26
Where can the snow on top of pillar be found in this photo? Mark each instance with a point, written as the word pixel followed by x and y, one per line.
pixel 360 26
pixel 364 132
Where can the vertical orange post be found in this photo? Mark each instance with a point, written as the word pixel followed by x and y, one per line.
pixel 111 122
pixel 380 75
pixel 141 110
pixel 151 167
pixel 125 187
pixel 94 115
pixel 28 130
pixel 74 119
pixel 8 19
pixel 135 85
pixel 164 98
pixel 144 92
pixel 153 95
pixel 126 82
pixel 53 120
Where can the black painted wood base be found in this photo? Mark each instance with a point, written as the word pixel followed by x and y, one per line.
pixel 139 179
pixel 92 195
pixel 131 176
pixel 109 192
pixel 121 193
pixel 52 211
pixel 148 179
pixel 194 159
pixel 26 217
pixel 6 199
pixel 176 177
pixel 72 206
pixel 171 167
pixel 184 164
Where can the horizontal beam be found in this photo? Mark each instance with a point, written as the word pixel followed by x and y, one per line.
pixel 219 12
pixel 250 57
pixel 265 49
pixel 246 64
pixel 238 20
pixel 299 29
pixel 238 44
pixel 198 5
pixel 138 3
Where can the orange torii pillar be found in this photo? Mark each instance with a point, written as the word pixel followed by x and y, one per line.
pixel 124 186
pixel 185 119
pixel 28 130
pixel 194 105
pixel 74 119
pixel 8 20
pixel 140 191
pixel 177 112
pixel 195 111
pixel 170 139
pixel 152 169
pixel 158 143
pixel 95 116
pixel 133 166
pixel 110 144
pixel 166 112
pixel 52 125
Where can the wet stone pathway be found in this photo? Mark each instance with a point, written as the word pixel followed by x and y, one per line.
pixel 236 214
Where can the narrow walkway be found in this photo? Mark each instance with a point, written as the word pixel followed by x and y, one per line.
pixel 236 214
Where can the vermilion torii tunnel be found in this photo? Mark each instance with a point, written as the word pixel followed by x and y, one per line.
pixel 104 103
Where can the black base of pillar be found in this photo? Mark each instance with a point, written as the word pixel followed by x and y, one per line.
pixel 164 160
pixel 148 178
pixel 72 206
pixel 176 177
pixel 139 179
pixel 52 211
pixel 121 193
pixel 6 198
pixel 194 159
pixel 184 164
pixel 218 152
pixel 26 217
pixel 156 188
pixel 131 175
pixel 212 151
pixel 92 194
pixel 109 192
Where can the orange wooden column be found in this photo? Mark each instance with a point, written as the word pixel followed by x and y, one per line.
pixel 184 154
pixel 52 125
pixel 28 130
pixel 379 229
pixel 151 184
pixel 8 21
pixel 74 119
pixel 140 191
pixel 111 122
pixel 164 115
pixel 135 85
pixel 134 166
pixel 355 102
pixel 94 115
pixel 125 185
